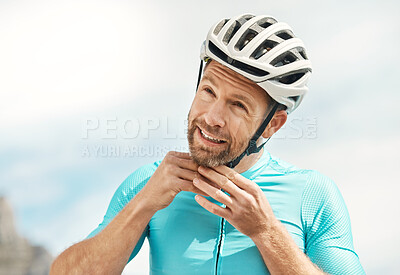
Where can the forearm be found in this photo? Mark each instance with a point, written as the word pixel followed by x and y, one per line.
pixel 108 251
pixel 280 253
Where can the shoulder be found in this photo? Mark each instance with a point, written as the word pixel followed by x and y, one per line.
pixel 126 191
pixel 278 166
pixel 133 184
pixel 322 202
pixel 285 172
pixel 320 188
pixel 317 190
pixel 139 177
pixel 141 174
pixel 312 180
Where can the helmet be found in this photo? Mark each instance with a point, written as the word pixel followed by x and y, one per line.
pixel 264 51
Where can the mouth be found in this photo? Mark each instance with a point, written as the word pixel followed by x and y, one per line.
pixel 211 139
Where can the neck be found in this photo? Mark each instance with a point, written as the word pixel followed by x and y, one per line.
pixel 248 161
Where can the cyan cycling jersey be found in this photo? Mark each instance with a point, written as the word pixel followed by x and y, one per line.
pixel 185 238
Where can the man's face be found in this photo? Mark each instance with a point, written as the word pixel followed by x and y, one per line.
pixel 225 113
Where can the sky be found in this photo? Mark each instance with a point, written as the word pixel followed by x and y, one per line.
pixel 92 90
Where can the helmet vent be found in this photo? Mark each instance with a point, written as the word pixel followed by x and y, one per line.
pixel 291 77
pixel 284 59
pixel 266 22
pixel 302 52
pixel 231 32
pixel 245 39
pixel 233 62
pixel 220 25
pixel 265 47
pixel 285 35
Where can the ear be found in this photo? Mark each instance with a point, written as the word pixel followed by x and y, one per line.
pixel 277 121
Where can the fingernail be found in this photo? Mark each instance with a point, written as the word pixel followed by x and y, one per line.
pixel 195 181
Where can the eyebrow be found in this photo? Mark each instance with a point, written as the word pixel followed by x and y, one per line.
pixel 237 96
pixel 243 98
pixel 211 79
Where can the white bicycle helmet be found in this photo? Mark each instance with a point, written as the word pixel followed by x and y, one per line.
pixel 263 50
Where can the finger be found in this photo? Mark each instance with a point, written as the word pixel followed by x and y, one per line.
pixel 234 177
pixel 186 174
pixel 213 192
pixel 221 180
pixel 185 163
pixel 212 207
pixel 208 181
pixel 180 154
pixel 191 175
pixel 186 185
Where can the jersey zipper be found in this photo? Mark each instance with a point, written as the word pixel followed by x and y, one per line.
pixel 221 236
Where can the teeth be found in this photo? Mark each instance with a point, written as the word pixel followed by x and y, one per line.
pixel 210 138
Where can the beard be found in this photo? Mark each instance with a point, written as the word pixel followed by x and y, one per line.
pixel 209 156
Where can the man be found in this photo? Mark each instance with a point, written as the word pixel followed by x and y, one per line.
pixel 261 215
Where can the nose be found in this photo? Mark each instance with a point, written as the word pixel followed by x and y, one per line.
pixel 215 115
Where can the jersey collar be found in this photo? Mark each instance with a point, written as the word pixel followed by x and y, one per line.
pixel 258 167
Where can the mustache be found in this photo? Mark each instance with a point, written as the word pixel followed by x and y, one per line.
pixel 213 131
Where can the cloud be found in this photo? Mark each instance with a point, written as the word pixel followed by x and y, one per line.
pixel 63 59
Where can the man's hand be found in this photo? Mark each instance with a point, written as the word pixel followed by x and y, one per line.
pixel 249 211
pixel 175 173
pixel 247 208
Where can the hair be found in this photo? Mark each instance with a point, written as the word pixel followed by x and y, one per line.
pixel 281 107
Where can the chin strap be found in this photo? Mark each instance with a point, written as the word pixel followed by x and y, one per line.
pixel 252 147
pixel 200 72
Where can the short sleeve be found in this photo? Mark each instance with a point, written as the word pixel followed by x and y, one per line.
pixel 326 222
pixel 125 192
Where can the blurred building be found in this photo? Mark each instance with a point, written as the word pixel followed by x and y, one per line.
pixel 17 256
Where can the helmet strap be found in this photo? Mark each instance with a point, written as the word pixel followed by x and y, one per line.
pixel 252 147
pixel 200 72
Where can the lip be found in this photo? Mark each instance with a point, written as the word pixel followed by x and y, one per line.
pixel 206 141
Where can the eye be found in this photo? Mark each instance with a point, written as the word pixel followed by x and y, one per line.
pixel 240 105
pixel 208 90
